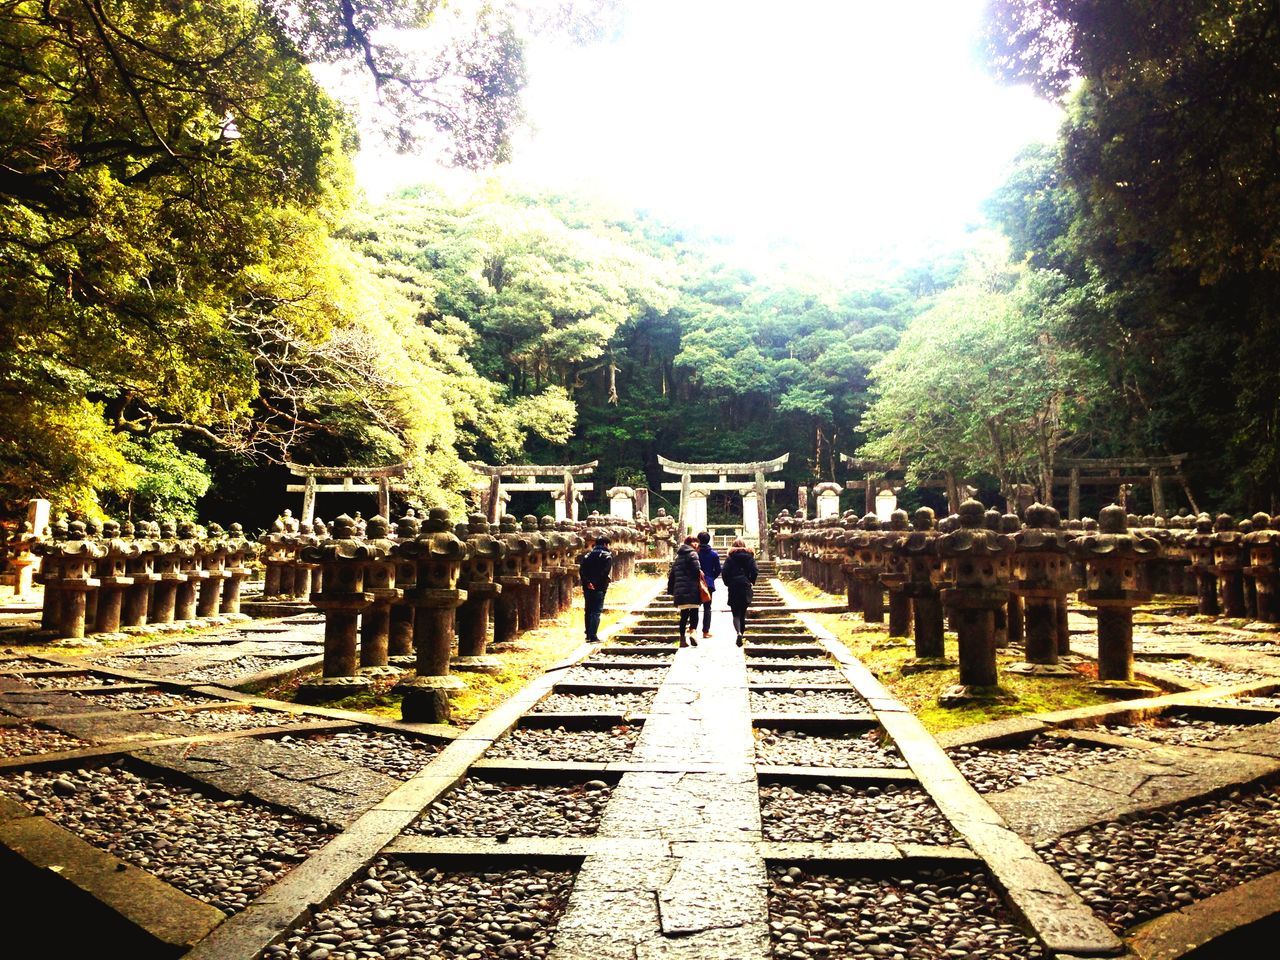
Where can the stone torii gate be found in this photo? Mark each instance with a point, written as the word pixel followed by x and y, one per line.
pixel 723 471
pixel 491 497
pixel 1111 471
pixel 373 480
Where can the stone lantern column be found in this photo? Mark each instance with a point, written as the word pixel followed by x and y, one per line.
pixel 238 551
pixel 1041 576
pixel 50 554
pixel 165 598
pixel 664 535
pixel 141 569
pixel 894 575
pixel 919 552
pixel 403 613
pixel 113 579
pixel 531 601
pixel 1112 557
pixel 188 550
pixel 514 582
pixel 974 596
pixel 485 555
pixel 1200 547
pixel 344 598
pixel 213 554
pixel 439 555
pixel 383 589
pixel 1228 566
pixel 866 565
pixel 22 561
pixel 1263 545
pixel 79 557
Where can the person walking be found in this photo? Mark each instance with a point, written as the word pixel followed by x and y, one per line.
pixel 684 583
pixel 709 560
pixel 739 576
pixel 594 569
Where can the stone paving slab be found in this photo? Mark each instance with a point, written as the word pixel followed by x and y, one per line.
pixel 1049 807
pixel 1176 934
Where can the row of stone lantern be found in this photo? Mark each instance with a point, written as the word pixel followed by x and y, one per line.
pixel 393 603
pixel 107 579
pixel 997 580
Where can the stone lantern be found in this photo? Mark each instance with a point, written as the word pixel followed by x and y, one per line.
pixel 1200 546
pixel 863 548
pixel 918 551
pixel 213 558
pixel 381 567
pixel 403 614
pixel 894 574
pixel 141 570
pixel 78 559
pixel 553 569
pixel 514 582
pixel 22 560
pixel 239 550
pixel 113 578
pixel 343 600
pixel 479 573
pixel 1041 577
pixel 50 554
pixel 168 557
pixel 191 573
pixel 1228 566
pixel 535 559
pixel 974 595
pixel 1263 545
pixel 278 561
pixel 439 556
pixel 664 534
pixel 1112 557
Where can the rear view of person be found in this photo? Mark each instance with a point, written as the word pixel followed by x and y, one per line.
pixel 709 560
pixel 594 569
pixel 684 583
pixel 739 576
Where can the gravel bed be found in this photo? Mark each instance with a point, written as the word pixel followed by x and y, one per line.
pixel 935 914
pixel 608 675
pixel 991 771
pixel 480 808
pixel 280 648
pixel 10 664
pixel 560 743
pixel 398 910
pixel 66 681
pixel 638 659
pixel 228 670
pixel 28 740
pixel 631 701
pixel 781 658
pixel 1202 671
pixel 1130 872
pixel 801 748
pixel 223 852
pixel 1182 731
pixel 394 754
pixel 826 676
pixel 807 701
pixel 141 699
pixel 853 812
pixel 223 721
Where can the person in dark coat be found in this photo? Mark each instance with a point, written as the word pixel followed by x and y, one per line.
pixel 739 575
pixel 594 569
pixel 710 562
pixel 684 584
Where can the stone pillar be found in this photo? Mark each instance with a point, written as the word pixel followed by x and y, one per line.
pixel 622 503
pixel 975 593
pixel 695 517
pixel 1228 566
pixel 1263 544
pixel 113 579
pixel 214 562
pixel 76 579
pixel 381 586
pixel 1112 557
pixel 918 550
pixel 403 613
pixel 239 549
pixel 343 600
pixel 141 568
pixel 1200 547
pixel 477 579
pixel 1041 576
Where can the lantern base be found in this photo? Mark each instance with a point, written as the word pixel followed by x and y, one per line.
pixel 324 689
pixel 924 664
pixel 1125 689
pixel 482 664
pixel 963 695
pixel 384 670
pixel 1041 670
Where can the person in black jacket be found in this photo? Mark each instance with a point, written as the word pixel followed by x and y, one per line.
pixel 739 576
pixel 710 562
pixel 594 569
pixel 684 584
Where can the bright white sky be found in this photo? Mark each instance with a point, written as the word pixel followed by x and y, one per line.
pixel 851 128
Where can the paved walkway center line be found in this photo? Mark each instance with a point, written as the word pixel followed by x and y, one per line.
pixel 701 891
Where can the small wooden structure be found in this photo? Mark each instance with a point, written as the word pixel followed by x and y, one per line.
pixel 491 494
pixel 724 472
pixel 1122 473
pixel 376 480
